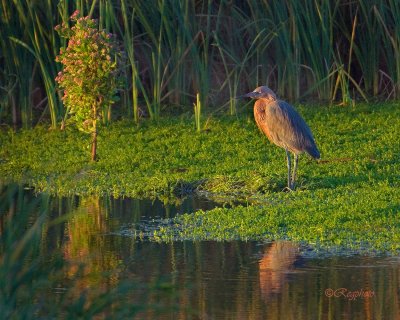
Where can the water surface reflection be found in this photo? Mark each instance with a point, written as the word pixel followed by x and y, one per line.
pixel 214 280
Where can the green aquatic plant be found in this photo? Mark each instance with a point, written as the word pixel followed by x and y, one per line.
pixel 90 73
pixel 336 219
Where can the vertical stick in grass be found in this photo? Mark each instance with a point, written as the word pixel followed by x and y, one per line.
pixel 197 112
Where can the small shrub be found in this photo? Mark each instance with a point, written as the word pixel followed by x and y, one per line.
pixel 90 75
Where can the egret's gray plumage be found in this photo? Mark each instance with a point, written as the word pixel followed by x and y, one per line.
pixel 283 126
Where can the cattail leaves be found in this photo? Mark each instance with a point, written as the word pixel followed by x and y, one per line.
pixel 330 51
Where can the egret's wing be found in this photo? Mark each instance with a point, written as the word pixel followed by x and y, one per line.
pixel 285 127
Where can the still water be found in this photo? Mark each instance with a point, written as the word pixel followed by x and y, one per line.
pixel 204 280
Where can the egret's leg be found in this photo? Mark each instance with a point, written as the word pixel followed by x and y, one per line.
pixel 296 161
pixel 289 183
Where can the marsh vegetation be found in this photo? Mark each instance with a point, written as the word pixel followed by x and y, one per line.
pixel 172 132
pixel 346 196
pixel 315 50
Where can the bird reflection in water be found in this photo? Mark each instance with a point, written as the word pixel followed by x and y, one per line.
pixel 278 259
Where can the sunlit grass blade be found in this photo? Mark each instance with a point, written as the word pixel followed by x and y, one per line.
pixel 197 112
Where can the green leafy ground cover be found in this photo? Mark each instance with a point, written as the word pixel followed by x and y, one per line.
pixel 351 197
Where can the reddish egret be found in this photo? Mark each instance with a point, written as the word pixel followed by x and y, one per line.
pixel 283 126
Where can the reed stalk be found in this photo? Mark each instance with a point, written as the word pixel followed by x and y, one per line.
pixel 390 21
pixel 197 112
pixel 130 50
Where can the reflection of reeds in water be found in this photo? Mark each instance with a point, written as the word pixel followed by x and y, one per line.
pixel 37 281
pixel 277 260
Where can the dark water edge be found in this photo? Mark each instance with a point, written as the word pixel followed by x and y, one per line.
pixel 88 250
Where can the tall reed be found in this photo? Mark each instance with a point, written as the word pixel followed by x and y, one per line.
pixel 368 46
pixel 128 39
pixel 42 42
pixel 16 68
pixel 389 18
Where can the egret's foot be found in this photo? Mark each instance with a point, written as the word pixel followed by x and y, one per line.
pixel 288 189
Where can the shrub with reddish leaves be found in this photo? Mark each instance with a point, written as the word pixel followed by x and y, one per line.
pixel 90 73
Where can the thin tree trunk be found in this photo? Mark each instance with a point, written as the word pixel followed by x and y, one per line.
pixel 94 134
pixel 94 141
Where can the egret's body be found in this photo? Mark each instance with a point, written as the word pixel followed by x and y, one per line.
pixel 283 126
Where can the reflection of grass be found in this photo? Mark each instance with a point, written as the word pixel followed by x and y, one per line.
pixel 37 282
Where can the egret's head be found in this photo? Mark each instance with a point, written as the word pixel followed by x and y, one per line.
pixel 262 92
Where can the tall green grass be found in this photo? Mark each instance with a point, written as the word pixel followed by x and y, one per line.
pixel 313 49
pixel 39 39
pixel 389 18
pixel 16 69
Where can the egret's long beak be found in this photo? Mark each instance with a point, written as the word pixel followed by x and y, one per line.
pixel 248 95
